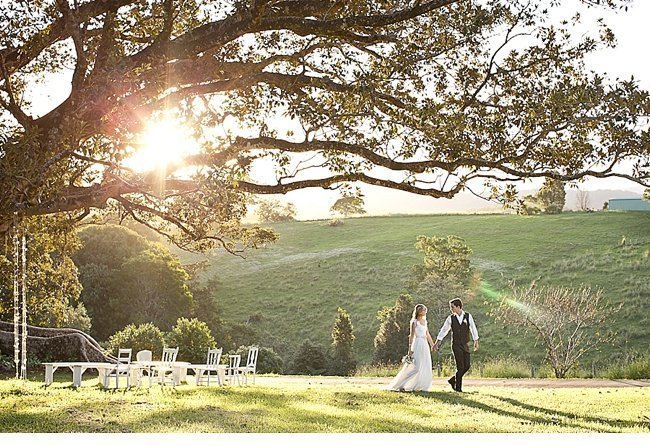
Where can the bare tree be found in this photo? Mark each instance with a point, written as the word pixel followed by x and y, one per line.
pixel 583 199
pixel 566 321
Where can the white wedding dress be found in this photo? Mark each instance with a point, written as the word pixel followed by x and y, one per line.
pixel 418 375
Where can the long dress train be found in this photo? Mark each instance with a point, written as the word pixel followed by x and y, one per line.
pixel 419 374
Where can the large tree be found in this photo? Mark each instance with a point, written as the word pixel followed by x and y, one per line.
pixel 51 281
pixel 552 196
pixel 128 279
pixel 445 257
pixel 430 97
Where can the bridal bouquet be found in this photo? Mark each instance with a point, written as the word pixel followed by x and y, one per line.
pixel 408 359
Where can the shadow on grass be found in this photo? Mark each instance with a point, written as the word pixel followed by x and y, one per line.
pixel 262 411
pixel 210 410
pixel 556 413
pixel 250 409
pixel 546 417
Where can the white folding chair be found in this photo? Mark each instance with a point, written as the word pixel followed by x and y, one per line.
pixel 143 357
pixel 210 369
pixel 232 371
pixel 164 373
pixel 251 364
pixel 119 370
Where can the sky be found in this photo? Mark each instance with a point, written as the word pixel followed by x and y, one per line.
pixel 629 58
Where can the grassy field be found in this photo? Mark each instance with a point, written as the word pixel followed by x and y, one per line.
pixel 293 287
pixel 309 406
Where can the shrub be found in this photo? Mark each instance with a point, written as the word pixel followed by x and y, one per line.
pixel 235 333
pixel 76 317
pixel 6 363
pixel 377 370
pixel 544 371
pixel 193 339
pixel 504 368
pixel 310 359
pixel 268 361
pixel 636 369
pixel 142 337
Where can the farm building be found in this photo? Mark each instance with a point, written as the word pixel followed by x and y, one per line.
pixel 628 204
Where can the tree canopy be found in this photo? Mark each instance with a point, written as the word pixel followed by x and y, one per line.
pixel 273 211
pixel 550 199
pixel 52 284
pixel 431 97
pixel 444 257
pixel 348 205
pixel 128 279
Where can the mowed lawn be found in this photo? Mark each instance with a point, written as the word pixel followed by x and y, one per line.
pixel 307 405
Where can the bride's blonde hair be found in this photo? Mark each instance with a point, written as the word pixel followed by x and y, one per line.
pixel 416 311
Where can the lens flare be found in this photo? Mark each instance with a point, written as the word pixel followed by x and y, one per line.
pixel 163 143
pixel 495 296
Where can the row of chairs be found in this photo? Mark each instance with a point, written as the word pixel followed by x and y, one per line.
pixel 234 371
pixel 163 372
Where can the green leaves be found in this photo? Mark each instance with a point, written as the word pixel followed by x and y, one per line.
pixel 420 96
pixel 444 256
pixel 128 279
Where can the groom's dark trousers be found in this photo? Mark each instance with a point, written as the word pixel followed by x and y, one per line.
pixel 461 356
pixel 459 340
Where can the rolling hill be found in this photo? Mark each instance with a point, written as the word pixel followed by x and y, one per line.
pixel 292 288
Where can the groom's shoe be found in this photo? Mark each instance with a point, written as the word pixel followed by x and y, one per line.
pixel 452 382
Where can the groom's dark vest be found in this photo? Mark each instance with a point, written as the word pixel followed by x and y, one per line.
pixel 460 332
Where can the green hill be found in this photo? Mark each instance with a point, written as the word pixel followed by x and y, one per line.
pixel 293 287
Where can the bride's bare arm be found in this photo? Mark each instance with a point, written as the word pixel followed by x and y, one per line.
pixel 429 339
pixel 411 334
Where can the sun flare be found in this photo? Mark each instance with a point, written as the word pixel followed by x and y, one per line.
pixel 163 143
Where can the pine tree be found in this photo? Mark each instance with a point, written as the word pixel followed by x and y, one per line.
pixel 391 341
pixel 343 361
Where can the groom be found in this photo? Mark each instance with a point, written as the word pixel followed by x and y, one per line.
pixel 461 325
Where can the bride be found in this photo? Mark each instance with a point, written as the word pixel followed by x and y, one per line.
pixel 417 374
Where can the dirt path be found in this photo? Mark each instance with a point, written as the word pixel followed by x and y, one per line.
pixel 467 383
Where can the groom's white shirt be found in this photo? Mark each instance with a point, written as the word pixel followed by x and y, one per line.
pixel 447 326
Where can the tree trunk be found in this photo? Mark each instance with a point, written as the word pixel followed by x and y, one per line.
pixel 54 344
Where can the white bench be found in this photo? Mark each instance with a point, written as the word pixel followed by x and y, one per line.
pixel 77 368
